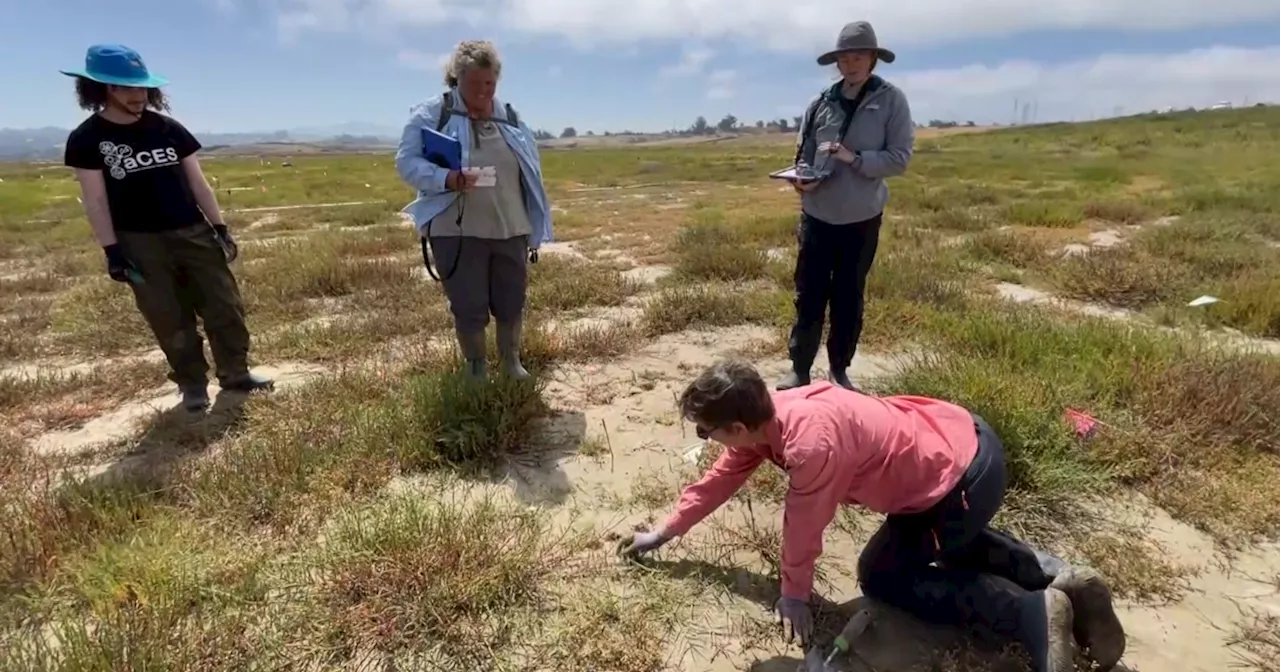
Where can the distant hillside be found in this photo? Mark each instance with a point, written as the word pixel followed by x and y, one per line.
pixel 29 144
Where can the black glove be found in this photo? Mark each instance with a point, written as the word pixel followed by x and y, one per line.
pixel 119 267
pixel 229 247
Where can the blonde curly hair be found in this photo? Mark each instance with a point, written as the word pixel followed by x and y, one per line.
pixel 471 54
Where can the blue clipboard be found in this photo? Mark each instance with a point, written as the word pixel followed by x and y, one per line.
pixel 441 149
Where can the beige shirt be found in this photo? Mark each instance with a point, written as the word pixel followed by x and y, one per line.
pixel 496 212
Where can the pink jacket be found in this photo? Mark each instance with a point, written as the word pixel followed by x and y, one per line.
pixel 898 454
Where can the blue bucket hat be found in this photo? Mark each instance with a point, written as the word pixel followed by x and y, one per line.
pixel 116 64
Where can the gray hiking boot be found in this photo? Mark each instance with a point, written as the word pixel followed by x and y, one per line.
pixel 795 378
pixel 473 348
pixel 1096 626
pixel 195 398
pixel 1046 631
pixel 249 382
pixel 477 368
pixel 509 349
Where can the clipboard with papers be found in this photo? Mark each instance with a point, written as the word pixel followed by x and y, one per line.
pixel 446 152
pixel 442 150
pixel 797 173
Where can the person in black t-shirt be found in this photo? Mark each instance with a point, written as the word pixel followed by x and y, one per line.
pixel 158 221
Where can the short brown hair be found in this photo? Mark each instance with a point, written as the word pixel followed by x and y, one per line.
pixel 92 96
pixel 727 392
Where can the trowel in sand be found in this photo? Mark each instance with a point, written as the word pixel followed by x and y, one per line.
pixel 813 660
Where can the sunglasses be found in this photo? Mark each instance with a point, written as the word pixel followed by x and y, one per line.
pixel 703 432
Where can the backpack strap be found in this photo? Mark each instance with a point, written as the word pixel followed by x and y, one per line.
pixel 850 108
pixel 446 111
pixel 809 114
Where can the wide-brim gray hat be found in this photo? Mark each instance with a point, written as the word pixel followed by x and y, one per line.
pixel 857 36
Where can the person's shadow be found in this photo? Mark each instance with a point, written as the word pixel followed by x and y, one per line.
pixel 893 641
pixel 171 437
pixel 535 473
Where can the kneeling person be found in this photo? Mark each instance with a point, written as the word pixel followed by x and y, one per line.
pixel 937 472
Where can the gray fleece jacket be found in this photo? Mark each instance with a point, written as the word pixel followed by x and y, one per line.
pixel 882 136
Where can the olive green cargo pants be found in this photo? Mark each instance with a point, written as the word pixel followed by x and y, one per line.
pixel 186 275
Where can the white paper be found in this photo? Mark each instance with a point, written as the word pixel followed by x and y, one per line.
pixel 694 452
pixel 486 176
pixel 791 175
pixel 1203 301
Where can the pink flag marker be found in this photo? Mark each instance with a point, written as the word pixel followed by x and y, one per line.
pixel 1084 424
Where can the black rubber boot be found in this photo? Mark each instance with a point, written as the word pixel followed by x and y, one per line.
pixel 794 379
pixel 841 377
pixel 803 347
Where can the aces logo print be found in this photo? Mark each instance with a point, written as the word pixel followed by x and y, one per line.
pixel 121 160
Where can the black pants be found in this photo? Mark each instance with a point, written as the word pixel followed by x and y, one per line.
pixel 948 566
pixel 831 268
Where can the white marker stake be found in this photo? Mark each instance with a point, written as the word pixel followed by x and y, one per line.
pixel 1203 301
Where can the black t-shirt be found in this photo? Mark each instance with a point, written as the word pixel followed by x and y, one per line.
pixel 141 163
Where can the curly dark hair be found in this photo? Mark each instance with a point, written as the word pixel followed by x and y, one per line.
pixel 93 96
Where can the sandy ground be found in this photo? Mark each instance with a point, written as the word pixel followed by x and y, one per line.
pixel 1189 636
pixel 630 405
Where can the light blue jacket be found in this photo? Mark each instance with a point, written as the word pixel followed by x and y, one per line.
pixel 428 178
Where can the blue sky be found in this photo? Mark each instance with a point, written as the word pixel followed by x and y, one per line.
pixel 247 65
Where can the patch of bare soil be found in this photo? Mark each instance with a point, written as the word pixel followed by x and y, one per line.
pixel 266 220
pixel 1194 634
pixel 1229 339
pixel 121 423
pixel 67 366
pixel 1098 240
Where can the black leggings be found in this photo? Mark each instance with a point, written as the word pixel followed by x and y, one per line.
pixel 831 269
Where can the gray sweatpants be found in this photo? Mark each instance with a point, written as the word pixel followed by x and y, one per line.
pixel 491 278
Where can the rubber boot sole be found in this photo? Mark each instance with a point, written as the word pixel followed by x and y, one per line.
pixel 1061 620
pixel 1096 626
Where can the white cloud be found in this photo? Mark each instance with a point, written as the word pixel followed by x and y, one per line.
pixel 419 60
pixel 693 60
pixel 721 85
pixel 1096 87
pixel 798 25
